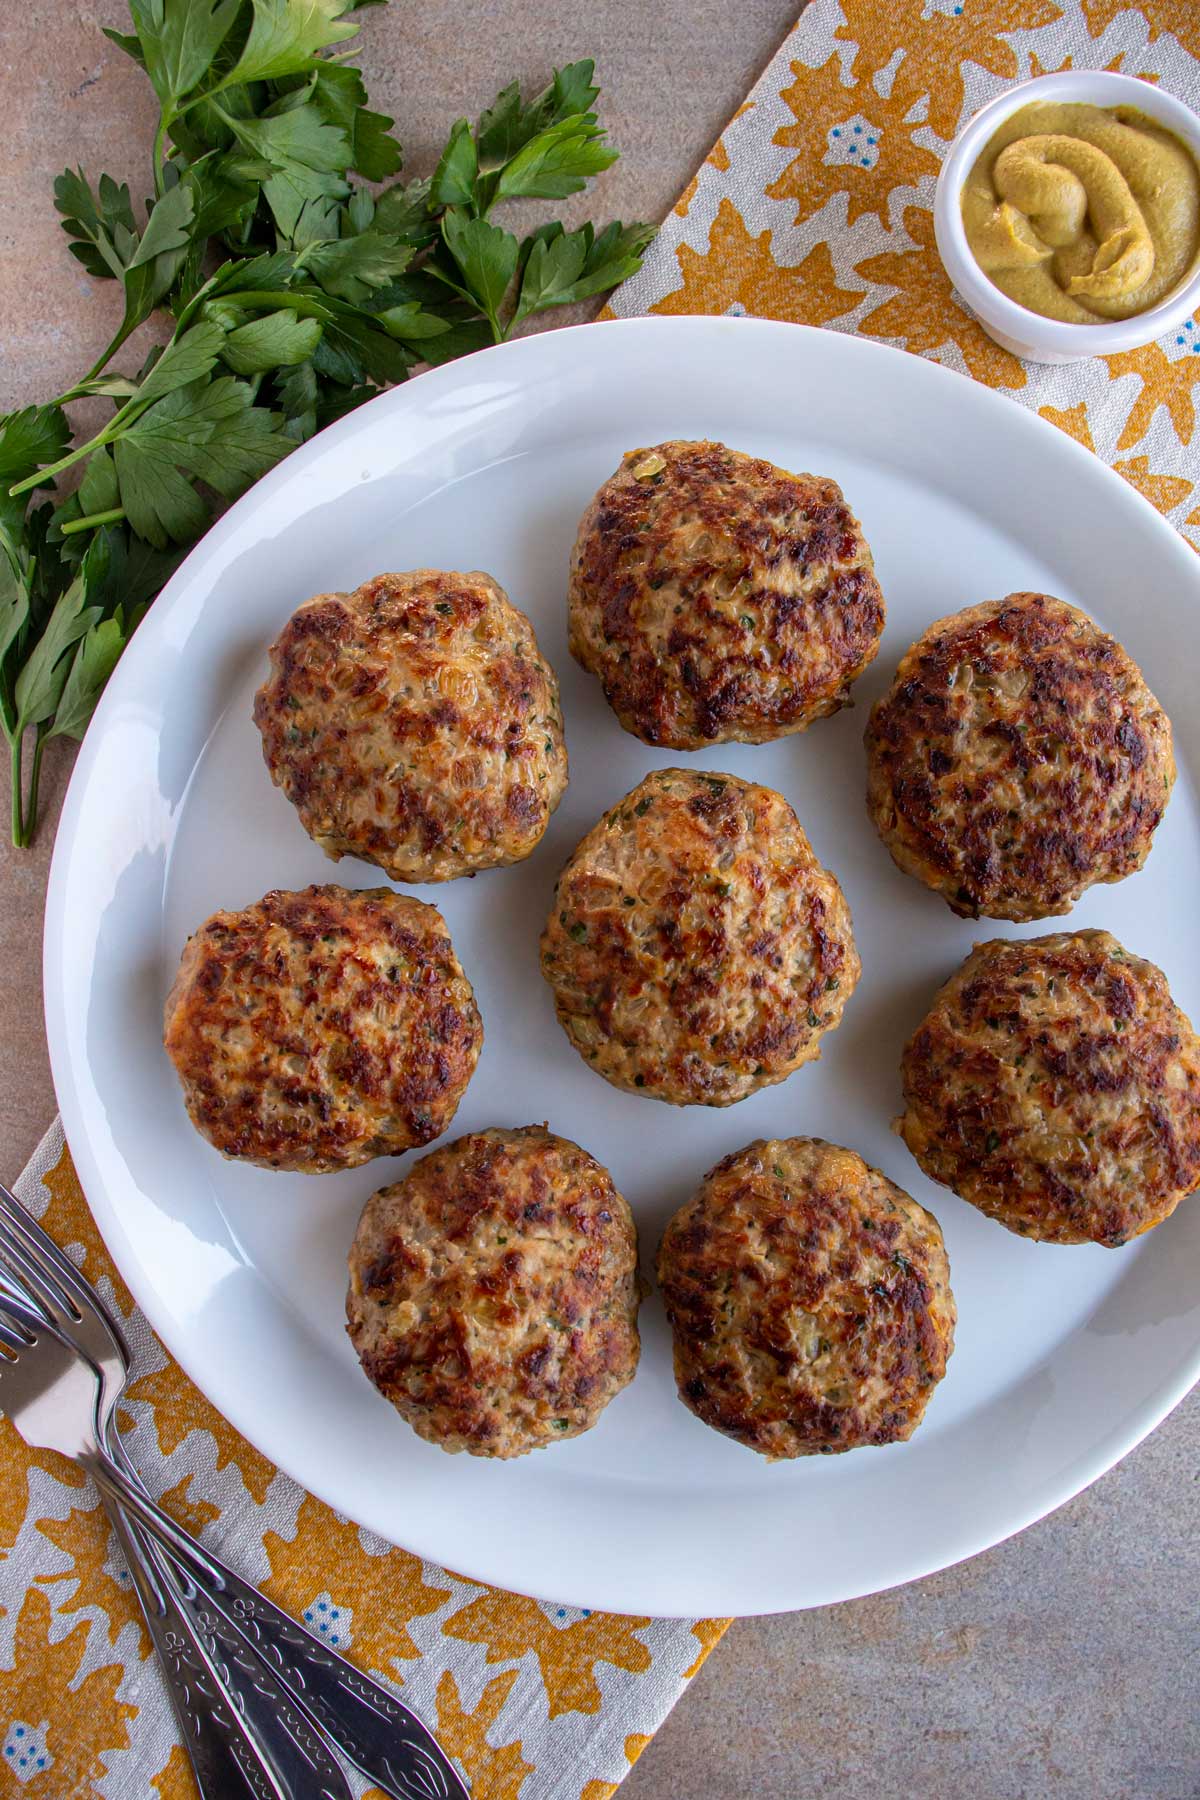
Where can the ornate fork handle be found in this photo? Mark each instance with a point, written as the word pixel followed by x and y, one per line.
pixel 229 1757
pixel 383 1739
pixel 299 1760
pixel 378 1734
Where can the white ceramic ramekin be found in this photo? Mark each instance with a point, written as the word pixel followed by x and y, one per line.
pixel 1014 327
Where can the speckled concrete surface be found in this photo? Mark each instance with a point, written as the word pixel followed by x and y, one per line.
pixel 1063 1664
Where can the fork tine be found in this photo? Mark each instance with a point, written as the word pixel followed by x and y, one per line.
pixel 15 1311
pixel 19 1323
pixel 11 1336
pixel 26 1275
pixel 46 1269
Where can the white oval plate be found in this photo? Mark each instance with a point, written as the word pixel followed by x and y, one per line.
pixel 1065 1357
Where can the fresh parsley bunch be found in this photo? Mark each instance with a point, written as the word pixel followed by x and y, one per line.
pixel 295 292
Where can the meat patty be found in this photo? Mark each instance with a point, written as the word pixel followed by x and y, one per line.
pixel 809 1299
pixel 494 1292
pixel 1056 1086
pixel 1018 757
pixel 416 724
pixel 716 596
pixel 315 1030
pixel 696 948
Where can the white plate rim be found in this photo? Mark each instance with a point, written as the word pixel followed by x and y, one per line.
pixel 257 1426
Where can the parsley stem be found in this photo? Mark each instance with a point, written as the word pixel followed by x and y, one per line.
pixel 93 385
pixel 18 823
pixel 82 387
pixel 283 301
pixel 73 456
pixel 35 775
pixel 160 152
pixel 208 94
pixel 113 516
pixel 106 355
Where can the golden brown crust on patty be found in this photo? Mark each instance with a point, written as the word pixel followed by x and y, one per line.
pixel 415 723
pixel 1017 758
pixel 494 1292
pixel 716 596
pixel 1056 1086
pixel 696 948
pixel 315 1030
pixel 809 1299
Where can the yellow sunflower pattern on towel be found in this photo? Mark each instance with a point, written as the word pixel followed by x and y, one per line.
pixel 817 205
pixel 534 1699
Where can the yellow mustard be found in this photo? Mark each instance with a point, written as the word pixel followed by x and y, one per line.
pixel 1084 213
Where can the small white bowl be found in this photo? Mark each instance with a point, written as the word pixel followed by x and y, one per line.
pixel 1014 327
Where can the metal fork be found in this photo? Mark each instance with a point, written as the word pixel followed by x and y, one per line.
pixel 224 1756
pixel 380 1736
pixel 50 1393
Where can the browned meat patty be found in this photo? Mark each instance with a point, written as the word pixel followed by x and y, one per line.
pixel 1018 757
pixel 415 723
pixel 809 1299
pixel 494 1292
pixel 716 596
pixel 1056 1086
pixel 696 948
pixel 315 1030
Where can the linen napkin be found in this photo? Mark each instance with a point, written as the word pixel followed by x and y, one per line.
pixel 815 205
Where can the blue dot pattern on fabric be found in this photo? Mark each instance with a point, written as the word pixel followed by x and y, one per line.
pixel 25 1750
pixel 323 1625
pixel 854 140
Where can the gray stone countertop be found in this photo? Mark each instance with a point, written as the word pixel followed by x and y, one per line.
pixel 1062 1665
